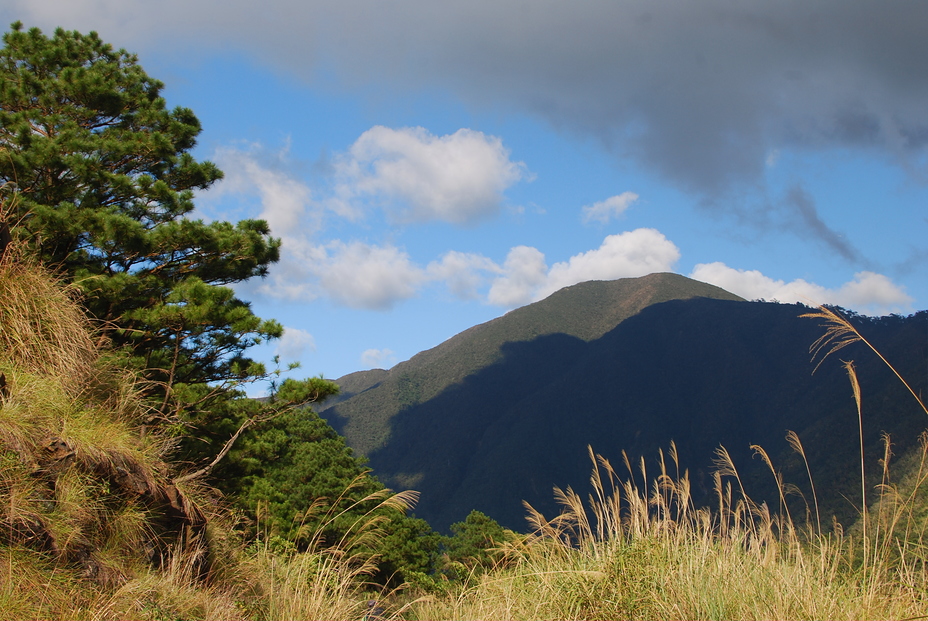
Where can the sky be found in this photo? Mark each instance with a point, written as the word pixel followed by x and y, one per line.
pixel 431 165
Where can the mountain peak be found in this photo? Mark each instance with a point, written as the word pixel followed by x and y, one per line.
pixel 584 311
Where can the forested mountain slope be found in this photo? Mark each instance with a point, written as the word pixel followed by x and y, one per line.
pixel 701 372
pixel 370 399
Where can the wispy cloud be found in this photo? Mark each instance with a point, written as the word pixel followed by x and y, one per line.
pixel 294 344
pixel 463 273
pixel 803 217
pixel 612 207
pixel 378 358
pixel 253 172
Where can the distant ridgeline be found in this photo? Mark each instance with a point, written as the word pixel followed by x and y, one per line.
pixel 504 411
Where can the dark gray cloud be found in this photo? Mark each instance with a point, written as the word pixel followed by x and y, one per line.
pixel 916 262
pixel 699 93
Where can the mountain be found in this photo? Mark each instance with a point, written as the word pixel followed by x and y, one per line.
pixel 700 371
pixel 370 399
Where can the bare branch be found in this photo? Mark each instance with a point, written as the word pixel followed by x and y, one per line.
pixel 225 449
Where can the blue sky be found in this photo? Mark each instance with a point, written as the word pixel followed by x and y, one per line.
pixel 432 165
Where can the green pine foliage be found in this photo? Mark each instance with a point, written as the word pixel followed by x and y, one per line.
pixel 476 544
pixel 97 183
pixel 103 182
pixel 288 464
pixel 410 552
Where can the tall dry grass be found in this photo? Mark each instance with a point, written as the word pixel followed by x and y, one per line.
pixel 645 551
pixel 634 553
pixel 332 581
pixel 92 525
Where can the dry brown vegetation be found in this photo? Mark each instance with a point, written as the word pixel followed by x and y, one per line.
pixel 93 523
pixel 630 552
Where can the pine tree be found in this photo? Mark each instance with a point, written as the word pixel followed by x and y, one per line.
pixel 103 182
pixel 98 180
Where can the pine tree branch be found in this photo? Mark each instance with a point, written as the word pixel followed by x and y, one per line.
pixel 225 449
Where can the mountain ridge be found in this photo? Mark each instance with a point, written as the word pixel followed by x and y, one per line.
pixel 699 372
pixel 586 310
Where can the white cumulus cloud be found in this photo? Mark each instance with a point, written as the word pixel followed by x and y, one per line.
pixel 262 183
pixel 523 273
pixel 612 207
pixel 294 344
pixel 378 358
pixel 625 255
pixel 253 171
pixel 354 274
pixel 369 276
pixel 458 178
pixel 525 276
pixel 462 272
pixel 868 292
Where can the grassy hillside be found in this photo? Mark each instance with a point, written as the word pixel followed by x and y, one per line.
pixel 639 549
pixel 86 497
pixel 585 311
pixel 95 521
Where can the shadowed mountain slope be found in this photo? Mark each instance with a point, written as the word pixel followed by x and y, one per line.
pixel 702 372
pixel 370 399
